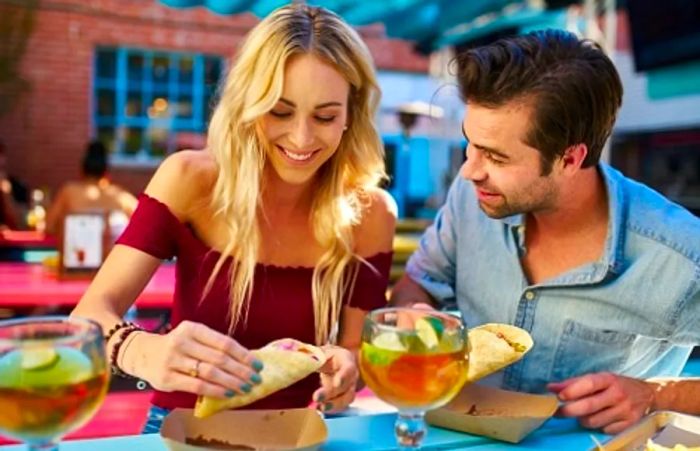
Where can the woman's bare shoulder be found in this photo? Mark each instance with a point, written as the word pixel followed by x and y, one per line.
pixel 375 232
pixel 183 180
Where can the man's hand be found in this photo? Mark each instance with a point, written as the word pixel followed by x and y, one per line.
pixel 604 400
pixel 407 293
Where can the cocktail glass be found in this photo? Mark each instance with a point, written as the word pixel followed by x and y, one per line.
pixel 53 377
pixel 415 360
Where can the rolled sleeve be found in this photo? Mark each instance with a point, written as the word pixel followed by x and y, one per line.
pixel 433 265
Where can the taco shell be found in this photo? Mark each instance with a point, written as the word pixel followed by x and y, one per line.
pixel 285 362
pixel 495 346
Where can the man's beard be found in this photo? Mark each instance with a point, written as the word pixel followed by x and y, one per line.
pixel 537 201
pixel 500 211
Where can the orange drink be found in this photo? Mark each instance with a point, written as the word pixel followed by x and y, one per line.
pixel 414 381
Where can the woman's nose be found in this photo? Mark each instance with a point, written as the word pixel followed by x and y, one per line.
pixel 301 135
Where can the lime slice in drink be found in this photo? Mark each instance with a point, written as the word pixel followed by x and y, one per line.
pixel 429 331
pixel 378 356
pixel 36 367
pixel 389 341
pixel 38 358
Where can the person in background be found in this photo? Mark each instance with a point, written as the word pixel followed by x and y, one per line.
pixel 278 226
pixel 8 215
pixel 92 193
pixel 9 218
pixel 537 232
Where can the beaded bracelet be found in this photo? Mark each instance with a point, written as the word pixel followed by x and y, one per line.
pixel 116 328
pixel 121 338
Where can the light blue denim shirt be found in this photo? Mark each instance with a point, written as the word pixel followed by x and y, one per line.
pixel 635 312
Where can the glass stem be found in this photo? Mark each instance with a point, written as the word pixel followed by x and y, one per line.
pixel 410 429
pixel 44 446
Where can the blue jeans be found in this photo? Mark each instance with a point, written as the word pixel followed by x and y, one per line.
pixel 154 420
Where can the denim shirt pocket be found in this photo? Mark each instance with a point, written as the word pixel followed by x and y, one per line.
pixel 583 349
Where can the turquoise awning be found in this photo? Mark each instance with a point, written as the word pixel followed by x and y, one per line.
pixel 429 23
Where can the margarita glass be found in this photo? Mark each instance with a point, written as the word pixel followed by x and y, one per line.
pixel 415 360
pixel 53 377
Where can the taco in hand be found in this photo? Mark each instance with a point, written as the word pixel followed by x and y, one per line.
pixel 494 347
pixel 285 361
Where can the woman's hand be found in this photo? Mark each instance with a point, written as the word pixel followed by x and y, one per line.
pixel 193 358
pixel 338 380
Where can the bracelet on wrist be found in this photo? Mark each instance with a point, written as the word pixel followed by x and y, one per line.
pixel 122 333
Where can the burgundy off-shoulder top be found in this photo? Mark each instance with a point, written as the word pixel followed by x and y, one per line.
pixel 281 304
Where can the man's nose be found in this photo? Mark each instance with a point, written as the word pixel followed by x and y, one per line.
pixel 473 169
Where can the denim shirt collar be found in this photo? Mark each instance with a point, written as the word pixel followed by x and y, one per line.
pixel 612 261
pixel 617 200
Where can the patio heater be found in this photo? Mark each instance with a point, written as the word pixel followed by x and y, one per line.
pixel 408 114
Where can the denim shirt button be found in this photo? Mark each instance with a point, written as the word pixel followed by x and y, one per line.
pixel 529 295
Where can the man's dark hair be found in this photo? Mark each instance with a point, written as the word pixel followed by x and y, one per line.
pixel 573 87
pixel 95 160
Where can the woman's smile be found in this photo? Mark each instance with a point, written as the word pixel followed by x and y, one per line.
pixel 297 156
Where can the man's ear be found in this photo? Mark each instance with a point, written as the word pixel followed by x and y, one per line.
pixel 573 157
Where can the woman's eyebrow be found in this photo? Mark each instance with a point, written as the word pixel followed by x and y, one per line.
pixel 319 106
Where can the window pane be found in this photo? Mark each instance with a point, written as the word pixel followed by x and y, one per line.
pixel 135 66
pixel 106 63
pixel 210 101
pixel 212 70
pixel 185 66
pixel 134 104
pixel 160 103
pixel 133 140
pixel 106 102
pixel 161 69
pixel 106 136
pixel 160 108
pixel 184 106
pixel 159 142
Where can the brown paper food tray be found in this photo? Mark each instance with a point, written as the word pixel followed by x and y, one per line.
pixel 289 429
pixel 664 428
pixel 495 413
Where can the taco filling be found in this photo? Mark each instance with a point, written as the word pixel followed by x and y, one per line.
pixel 495 346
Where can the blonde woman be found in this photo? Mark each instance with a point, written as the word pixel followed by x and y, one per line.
pixel 278 227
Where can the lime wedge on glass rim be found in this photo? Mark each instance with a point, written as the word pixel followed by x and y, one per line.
pixel 38 358
pixel 429 330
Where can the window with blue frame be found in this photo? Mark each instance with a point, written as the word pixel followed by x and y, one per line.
pixel 144 98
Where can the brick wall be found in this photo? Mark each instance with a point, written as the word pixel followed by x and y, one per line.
pixel 47 130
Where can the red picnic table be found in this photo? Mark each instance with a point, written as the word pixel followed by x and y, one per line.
pixel 27 239
pixel 32 285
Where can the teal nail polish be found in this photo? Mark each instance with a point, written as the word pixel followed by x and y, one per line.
pixel 257 365
pixel 246 388
pixel 328 406
pixel 230 393
pixel 320 398
pixel 255 378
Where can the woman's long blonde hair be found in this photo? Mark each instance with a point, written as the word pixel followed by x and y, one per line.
pixel 252 88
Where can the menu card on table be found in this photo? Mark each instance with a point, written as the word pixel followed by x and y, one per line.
pixel 83 243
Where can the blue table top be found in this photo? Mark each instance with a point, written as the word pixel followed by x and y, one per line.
pixel 375 432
